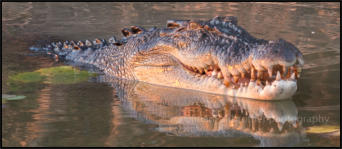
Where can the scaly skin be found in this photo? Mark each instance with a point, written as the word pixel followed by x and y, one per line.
pixel 214 56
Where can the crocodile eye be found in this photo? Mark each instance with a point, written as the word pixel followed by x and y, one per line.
pixel 136 30
pixel 172 25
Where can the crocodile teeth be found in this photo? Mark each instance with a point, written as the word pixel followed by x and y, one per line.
pixel 258 82
pixel 201 70
pixel 253 74
pixel 214 73
pixel 285 70
pixel 260 74
pixel 206 70
pixel 226 82
pixel 219 75
pixel 280 126
pixel 236 78
pixel 243 75
pixel 278 77
pixel 194 68
pixel 268 83
pixel 293 76
pixel 209 73
pixel 269 70
pixel 210 67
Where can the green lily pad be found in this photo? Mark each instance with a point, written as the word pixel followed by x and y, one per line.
pixel 65 75
pixel 57 70
pixel 323 129
pixel 53 75
pixel 12 97
pixel 27 77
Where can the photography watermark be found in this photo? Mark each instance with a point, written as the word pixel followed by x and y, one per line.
pixel 313 119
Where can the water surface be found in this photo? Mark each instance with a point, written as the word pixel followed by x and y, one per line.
pixel 102 112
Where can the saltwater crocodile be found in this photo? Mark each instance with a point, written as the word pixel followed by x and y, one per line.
pixel 216 56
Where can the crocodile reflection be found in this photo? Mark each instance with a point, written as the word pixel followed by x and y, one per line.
pixel 182 112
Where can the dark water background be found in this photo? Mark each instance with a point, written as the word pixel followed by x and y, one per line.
pixel 90 114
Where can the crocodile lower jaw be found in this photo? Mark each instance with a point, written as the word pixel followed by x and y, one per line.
pixel 278 90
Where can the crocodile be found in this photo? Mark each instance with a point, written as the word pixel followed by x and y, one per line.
pixel 216 56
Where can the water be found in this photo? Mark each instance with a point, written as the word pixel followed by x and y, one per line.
pixel 96 113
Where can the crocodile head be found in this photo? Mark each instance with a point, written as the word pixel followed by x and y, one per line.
pixel 214 56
